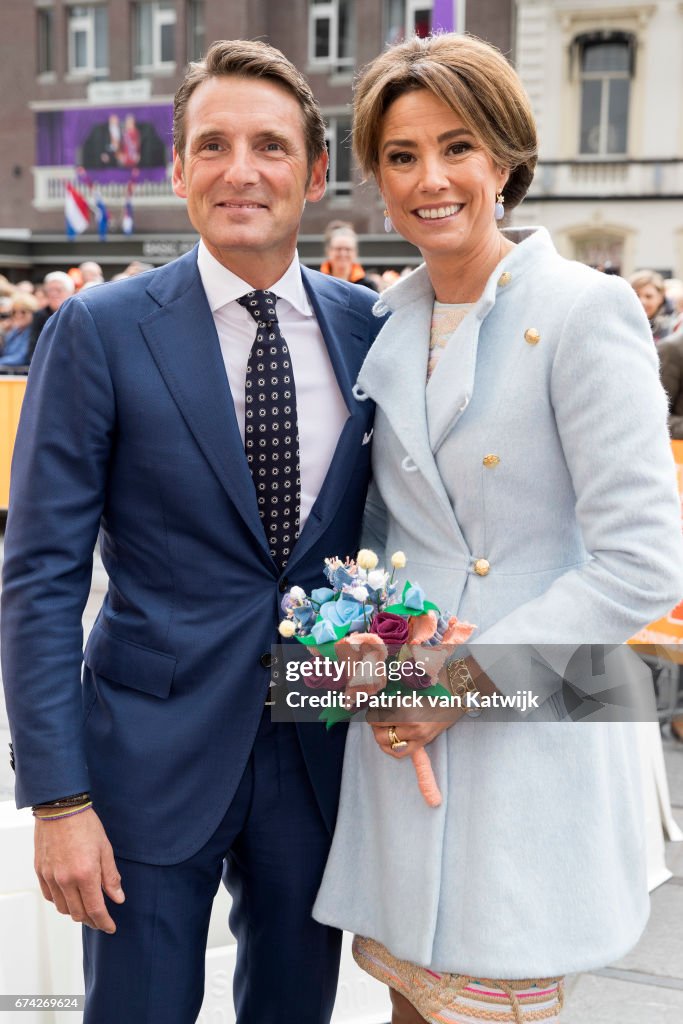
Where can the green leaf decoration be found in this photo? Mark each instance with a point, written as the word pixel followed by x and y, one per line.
pixel 400 608
pixel 326 650
pixel 330 716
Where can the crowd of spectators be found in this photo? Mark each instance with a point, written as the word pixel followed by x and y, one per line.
pixel 25 307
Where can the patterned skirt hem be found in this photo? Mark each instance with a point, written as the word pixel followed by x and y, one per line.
pixel 457 998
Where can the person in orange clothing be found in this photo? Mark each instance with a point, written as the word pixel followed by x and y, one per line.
pixel 341 252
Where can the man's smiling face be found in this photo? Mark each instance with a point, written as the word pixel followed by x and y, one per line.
pixel 245 171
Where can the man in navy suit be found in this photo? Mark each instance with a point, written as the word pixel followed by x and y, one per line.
pixel 163 762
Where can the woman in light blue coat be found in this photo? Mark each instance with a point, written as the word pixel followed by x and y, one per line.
pixel 521 460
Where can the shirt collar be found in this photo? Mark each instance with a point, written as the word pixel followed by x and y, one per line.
pixel 222 286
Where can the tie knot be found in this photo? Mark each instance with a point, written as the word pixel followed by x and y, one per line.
pixel 261 305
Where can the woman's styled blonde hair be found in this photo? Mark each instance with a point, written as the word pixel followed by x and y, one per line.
pixel 471 77
pixel 642 278
pixel 24 302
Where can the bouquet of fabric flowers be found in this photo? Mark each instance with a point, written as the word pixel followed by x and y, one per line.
pixel 357 619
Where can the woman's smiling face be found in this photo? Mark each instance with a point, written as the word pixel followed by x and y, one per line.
pixel 438 181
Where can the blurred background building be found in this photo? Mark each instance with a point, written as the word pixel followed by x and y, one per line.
pixel 86 93
pixel 606 81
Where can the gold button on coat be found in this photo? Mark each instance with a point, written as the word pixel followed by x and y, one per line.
pixel 491 460
pixel 532 336
pixel 504 278
pixel 481 567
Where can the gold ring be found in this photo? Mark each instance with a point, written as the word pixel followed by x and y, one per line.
pixel 396 743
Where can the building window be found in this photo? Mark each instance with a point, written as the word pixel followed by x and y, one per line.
pixel 604 250
pixel 196 34
pixel 155 37
pixel 405 18
pixel 606 68
pixel 45 39
pixel 88 40
pixel 338 139
pixel 331 29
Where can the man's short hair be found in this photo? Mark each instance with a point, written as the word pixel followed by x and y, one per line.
pixel 250 59
pixel 91 267
pixel 62 278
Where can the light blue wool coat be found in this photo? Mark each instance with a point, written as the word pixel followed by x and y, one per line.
pixel 534 864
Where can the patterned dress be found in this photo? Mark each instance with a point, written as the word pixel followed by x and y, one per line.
pixel 446 318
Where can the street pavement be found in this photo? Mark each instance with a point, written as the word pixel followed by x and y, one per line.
pixel 645 987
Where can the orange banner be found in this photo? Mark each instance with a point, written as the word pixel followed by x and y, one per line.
pixel 11 396
pixel 664 638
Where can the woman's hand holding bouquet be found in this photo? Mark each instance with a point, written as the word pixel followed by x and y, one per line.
pixel 390 648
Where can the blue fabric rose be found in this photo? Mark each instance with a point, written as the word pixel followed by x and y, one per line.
pixel 414 598
pixel 323 632
pixel 347 612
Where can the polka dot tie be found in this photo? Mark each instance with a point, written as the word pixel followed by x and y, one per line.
pixel 271 432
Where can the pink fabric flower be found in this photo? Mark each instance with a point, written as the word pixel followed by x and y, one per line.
pixel 457 632
pixel 422 627
pixel 362 653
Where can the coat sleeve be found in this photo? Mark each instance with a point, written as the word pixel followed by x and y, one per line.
pixel 57 496
pixel 610 411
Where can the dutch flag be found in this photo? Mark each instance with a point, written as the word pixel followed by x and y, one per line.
pixel 76 211
pixel 102 216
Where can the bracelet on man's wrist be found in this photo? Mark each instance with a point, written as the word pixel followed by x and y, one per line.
pixel 63 812
pixel 64 801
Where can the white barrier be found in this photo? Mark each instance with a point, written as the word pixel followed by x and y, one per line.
pixel 657 803
pixel 40 950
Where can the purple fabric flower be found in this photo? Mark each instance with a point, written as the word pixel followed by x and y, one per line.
pixel 393 629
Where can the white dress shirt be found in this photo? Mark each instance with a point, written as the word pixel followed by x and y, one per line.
pixel 321 410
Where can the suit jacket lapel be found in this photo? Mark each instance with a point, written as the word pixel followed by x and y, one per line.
pixel 346 335
pixel 182 338
pixel 451 385
pixel 395 372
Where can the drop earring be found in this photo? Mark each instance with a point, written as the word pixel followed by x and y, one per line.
pixel 388 226
pixel 499 209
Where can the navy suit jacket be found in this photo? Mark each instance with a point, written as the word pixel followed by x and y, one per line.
pixel 129 429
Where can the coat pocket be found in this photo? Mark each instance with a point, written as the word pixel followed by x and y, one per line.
pixel 129 664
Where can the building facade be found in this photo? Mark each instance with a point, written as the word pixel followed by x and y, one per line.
pixel 87 90
pixel 606 82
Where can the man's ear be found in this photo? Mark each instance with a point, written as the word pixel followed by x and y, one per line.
pixel 178 179
pixel 317 181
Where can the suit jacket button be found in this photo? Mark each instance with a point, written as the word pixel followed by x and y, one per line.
pixel 265 660
pixel 283 584
pixel 491 460
pixel 11 757
pixel 481 567
pixel 532 336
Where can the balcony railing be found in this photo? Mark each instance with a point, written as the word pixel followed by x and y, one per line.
pixel 50 186
pixel 622 179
